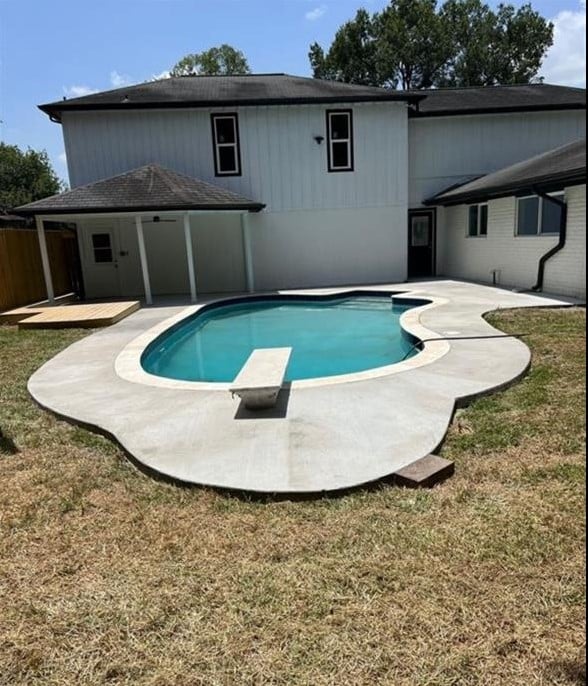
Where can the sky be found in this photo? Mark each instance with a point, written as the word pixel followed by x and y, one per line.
pixel 55 48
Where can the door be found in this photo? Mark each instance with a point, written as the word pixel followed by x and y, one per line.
pixel 421 243
pixel 101 273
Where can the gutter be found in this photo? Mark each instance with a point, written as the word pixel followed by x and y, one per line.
pixel 562 237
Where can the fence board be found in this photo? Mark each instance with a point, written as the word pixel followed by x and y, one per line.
pixel 21 271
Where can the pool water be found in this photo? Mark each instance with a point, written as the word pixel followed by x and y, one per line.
pixel 328 338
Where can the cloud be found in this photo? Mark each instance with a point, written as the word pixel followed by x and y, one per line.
pixel 162 75
pixel 62 158
pixel 316 13
pixel 566 60
pixel 119 80
pixel 78 91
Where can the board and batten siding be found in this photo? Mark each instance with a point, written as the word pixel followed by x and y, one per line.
pixel 515 258
pixel 282 164
pixel 444 151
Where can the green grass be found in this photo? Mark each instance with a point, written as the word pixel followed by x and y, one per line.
pixel 109 577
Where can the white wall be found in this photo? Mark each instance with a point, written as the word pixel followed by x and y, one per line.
pixel 517 257
pixel 282 165
pixel 448 150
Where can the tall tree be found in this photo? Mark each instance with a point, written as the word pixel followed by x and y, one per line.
pixel 412 43
pixel 25 176
pixel 217 61
pixel 352 55
pixel 421 44
pixel 506 46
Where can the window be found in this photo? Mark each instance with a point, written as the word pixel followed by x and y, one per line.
pixel 225 138
pixel 478 220
pixel 539 216
pixel 339 140
pixel 102 247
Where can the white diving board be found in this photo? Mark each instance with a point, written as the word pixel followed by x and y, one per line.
pixel 261 377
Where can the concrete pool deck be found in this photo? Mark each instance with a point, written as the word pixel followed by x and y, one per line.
pixel 321 437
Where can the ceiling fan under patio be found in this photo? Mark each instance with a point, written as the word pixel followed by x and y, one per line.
pixel 158 220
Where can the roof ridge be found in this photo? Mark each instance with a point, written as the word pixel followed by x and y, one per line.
pixel 495 85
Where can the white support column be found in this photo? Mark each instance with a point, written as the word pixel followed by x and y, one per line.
pixel 246 231
pixel 190 256
pixel 45 260
pixel 143 256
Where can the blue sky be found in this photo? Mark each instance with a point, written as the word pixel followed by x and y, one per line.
pixel 49 49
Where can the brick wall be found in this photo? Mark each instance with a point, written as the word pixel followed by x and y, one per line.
pixel 514 257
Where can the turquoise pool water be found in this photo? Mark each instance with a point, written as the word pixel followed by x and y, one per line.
pixel 328 338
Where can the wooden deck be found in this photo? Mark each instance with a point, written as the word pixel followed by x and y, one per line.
pixel 87 315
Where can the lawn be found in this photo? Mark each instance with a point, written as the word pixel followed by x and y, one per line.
pixel 109 577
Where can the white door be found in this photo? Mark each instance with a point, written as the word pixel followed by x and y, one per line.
pixel 101 250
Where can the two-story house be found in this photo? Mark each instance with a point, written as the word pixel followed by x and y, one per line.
pixel 223 184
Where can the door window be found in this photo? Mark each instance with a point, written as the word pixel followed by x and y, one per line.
pixel 420 235
pixel 102 248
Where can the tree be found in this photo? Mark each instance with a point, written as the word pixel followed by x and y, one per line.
pixel 25 176
pixel 418 44
pixel 412 43
pixel 507 46
pixel 217 61
pixel 352 55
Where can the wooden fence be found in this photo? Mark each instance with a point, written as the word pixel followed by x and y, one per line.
pixel 21 271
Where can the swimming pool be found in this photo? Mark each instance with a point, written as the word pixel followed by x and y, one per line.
pixel 328 337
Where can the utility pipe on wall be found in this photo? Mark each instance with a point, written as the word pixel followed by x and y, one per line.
pixel 562 237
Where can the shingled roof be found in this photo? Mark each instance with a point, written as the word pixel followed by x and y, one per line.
pixel 551 170
pixel 513 98
pixel 150 188
pixel 222 91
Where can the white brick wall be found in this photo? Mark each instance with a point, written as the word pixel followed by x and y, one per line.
pixel 516 257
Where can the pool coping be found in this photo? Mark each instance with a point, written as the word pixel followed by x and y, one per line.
pixel 128 362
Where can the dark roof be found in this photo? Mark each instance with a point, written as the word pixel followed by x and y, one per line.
pixel 551 170
pixel 150 188
pixel 221 91
pixel 489 99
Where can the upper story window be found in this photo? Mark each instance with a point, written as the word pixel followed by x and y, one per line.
pixel 478 220
pixel 225 138
pixel 340 140
pixel 537 216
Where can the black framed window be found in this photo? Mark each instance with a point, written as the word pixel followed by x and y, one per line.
pixel 340 140
pixel 102 247
pixel 478 220
pixel 538 216
pixel 225 140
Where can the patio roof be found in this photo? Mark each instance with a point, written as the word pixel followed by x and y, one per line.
pixel 150 188
pixel 548 171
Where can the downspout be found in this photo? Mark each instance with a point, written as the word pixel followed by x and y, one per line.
pixel 562 237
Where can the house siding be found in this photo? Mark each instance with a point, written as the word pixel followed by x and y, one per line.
pixel 515 258
pixel 444 151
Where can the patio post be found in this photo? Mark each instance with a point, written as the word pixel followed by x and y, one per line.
pixel 143 256
pixel 190 256
pixel 246 231
pixel 45 259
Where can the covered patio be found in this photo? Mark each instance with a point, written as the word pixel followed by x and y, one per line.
pixel 149 198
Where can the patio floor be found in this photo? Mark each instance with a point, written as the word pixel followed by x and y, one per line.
pixel 321 437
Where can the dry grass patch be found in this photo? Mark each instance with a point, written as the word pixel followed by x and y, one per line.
pixel 108 577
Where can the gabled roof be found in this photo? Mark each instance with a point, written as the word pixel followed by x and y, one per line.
pixel 551 170
pixel 225 91
pixel 495 99
pixel 150 188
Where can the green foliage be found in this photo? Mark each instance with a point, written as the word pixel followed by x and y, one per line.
pixel 25 176
pixel 421 44
pixel 217 61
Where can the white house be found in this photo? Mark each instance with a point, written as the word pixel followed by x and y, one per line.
pixel 219 184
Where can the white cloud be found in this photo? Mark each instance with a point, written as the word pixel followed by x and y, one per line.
pixel 119 80
pixel 316 13
pixel 78 91
pixel 566 60
pixel 162 75
pixel 62 158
